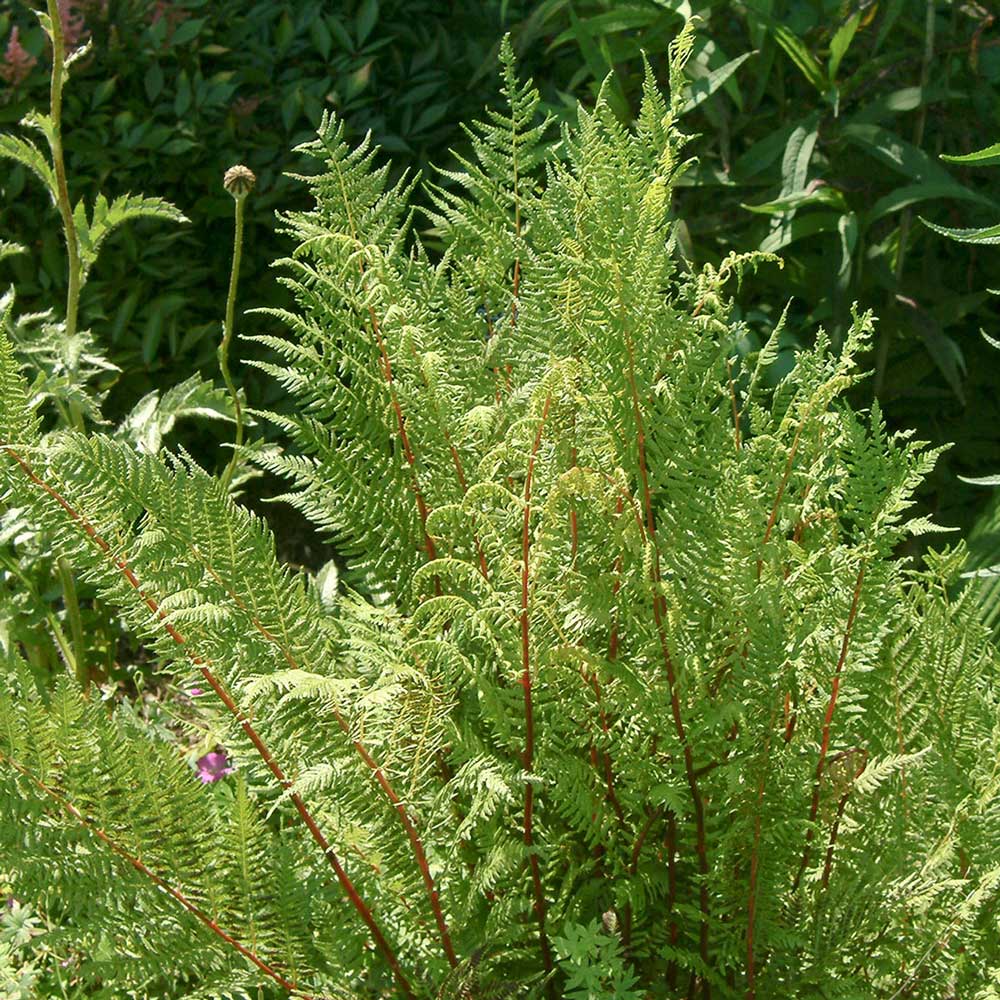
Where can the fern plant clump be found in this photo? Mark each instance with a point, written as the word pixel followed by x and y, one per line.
pixel 625 693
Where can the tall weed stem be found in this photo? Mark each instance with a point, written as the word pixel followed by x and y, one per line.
pixel 239 182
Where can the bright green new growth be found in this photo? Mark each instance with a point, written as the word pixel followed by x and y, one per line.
pixel 640 652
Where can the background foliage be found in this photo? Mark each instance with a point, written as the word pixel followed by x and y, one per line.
pixel 828 128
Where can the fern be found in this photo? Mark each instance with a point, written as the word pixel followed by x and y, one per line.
pixel 623 634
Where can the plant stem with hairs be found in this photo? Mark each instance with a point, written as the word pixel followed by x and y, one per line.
pixel 239 182
pixel 59 166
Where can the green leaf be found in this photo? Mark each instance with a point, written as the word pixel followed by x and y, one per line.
pixel 989 234
pixel 841 42
pixel 800 55
pixel 798 153
pixel 895 152
pixel 153 81
pixel 897 102
pixel 926 191
pixel 988 157
pixel 188 31
pixel 944 351
pixel 154 416
pixel 799 228
pixel 822 195
pixel 892 11
pixel 847 227
pixel 703 88
pixel 321 37
pixel 29 155
pixel 366 19
pixel 982 480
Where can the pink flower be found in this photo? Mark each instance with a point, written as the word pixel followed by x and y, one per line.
pixel 73 28
pixel 17 61
pixel 213 766
pixel 195 692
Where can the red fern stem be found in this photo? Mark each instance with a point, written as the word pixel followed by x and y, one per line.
pixel 754 868
pixel 528 756
pixel 411 832
pixel 827 721
pixel 404 438
pixel 781 490
pixel 265 754
pixel 701 846
pixel 835 828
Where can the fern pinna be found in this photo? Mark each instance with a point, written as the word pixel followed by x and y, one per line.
pixel 628 695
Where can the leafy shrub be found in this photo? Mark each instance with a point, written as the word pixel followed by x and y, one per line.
pixel 173 94
pixel 638 646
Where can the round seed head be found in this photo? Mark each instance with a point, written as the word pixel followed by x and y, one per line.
pixel 239 181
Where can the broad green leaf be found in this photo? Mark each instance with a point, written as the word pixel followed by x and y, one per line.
pixel 762 153
pixel 321 37
pixel 798 152
pixel 895 152
pixel 987 157
pixel 610 22
pixel 188 31
pixel 841 42
pixel 798 228
pixel 30 156
pixel 912 193
pixel 943 349
pixel 822 195
pixel 599 66
pixel 702 89
pixel 989 234
pixel 366 19
pixel 904 99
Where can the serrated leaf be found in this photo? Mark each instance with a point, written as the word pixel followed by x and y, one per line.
pixel 154 416
pixel 29 155
pixel 988 157
pixel 108 217
pixel 989 234
pixel 10 249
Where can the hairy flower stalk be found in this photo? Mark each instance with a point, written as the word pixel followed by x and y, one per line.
pixel 239 182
